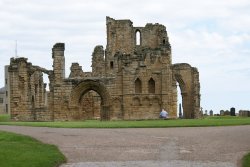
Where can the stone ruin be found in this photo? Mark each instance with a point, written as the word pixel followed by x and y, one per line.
pixel 133 78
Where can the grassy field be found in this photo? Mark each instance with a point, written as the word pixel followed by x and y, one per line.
pixel 209 121
pixel 22 151
pixel 4 117
pixel 246 160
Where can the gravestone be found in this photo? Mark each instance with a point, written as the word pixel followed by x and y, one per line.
pixel 232 111
pixel 221 112
pixel 211 113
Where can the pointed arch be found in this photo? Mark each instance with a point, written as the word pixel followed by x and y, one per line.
pixel 138 86
pixel 137 37
pixel 151 86
pixel 136 101
pixel 188 80
pixel 79 90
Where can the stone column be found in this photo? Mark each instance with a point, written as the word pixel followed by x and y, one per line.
pixel 58 77
pixel 59 62
pixel 105 113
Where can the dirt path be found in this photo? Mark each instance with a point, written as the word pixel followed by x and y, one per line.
pixel 188 147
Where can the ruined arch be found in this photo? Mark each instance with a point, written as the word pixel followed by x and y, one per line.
pixel 83 87
pixel 188 79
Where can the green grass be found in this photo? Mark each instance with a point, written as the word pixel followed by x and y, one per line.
pixel 22 151
pixel 208 121
pixel 246 160
pixel 4 117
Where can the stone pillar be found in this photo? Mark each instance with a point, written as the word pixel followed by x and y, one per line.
pixel 98 63
pixel 105 113
pixel 58 77
pixel 59 62
pixel 196 93
pixel 19 89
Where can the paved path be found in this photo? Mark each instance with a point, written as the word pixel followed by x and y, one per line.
pixel 152 147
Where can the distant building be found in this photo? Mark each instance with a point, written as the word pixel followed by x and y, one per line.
pixel 211 113
pixel 4 94
pixel 7 90
pixel 2 97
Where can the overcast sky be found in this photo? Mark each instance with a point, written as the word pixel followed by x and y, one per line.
pixel 212 35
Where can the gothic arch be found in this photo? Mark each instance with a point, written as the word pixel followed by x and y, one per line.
pixel 138 85
pixel 79 90
pixel 138 39
pixel 188 79
pixel 151 85
pixel 136 101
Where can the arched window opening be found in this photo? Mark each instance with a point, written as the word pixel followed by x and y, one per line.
pixel 36 88
pixel 179 101
pixel 138 37
pixel 111 65
pixel 138 87
pixel 33 102
pixel 151 86
pixel 164 41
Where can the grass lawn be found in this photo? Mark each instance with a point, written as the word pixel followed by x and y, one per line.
pixel 22 151
pixel 4 117
pixel 246 160
pixel 209 121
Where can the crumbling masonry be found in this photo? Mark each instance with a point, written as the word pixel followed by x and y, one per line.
pixel 133 78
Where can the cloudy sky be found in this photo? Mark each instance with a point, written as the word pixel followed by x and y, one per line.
pixel 213 36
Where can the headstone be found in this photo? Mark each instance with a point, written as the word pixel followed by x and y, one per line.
pixel 206 112
pixel 221 112
pixel 232 111
pixel 227 112
pixel 201 111
pixel 211 113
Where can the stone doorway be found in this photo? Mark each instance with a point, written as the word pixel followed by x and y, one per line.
pixel 90 105
pixel 84 90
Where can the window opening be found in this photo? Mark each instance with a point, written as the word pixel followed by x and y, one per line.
pixel 138 37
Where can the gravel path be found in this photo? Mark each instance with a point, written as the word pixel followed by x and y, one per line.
pixel 152 147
